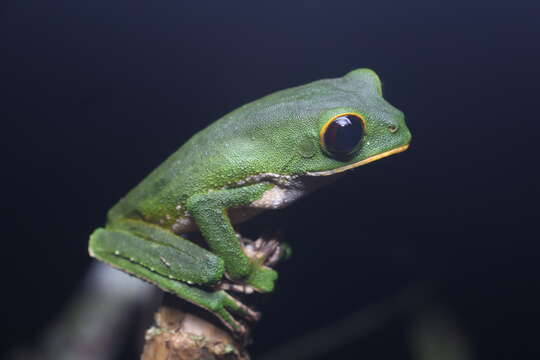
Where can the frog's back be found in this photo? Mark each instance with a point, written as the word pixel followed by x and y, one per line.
pixel 159 198
pixel 232 148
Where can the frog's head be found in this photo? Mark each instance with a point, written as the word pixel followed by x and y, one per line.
pixel 350 126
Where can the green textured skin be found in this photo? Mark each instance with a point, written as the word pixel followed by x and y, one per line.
pixel 165 252
pixel 266 136
pixel 218 302
pixel 206 177
pixel 209 212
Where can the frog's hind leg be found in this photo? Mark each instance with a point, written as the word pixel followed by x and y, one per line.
pixel 172 263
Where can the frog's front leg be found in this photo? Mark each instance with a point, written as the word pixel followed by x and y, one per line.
pixel 210 213
pixel 265 251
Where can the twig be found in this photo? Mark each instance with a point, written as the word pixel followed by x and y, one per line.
pixel 182 333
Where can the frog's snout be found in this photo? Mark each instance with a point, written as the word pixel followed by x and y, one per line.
pixel 401 132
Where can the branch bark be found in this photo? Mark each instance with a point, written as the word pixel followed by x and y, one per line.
pixel 181 333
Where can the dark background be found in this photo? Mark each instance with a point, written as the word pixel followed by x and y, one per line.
pixel 98 93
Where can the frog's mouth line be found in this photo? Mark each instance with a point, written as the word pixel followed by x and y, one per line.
pixel 360 163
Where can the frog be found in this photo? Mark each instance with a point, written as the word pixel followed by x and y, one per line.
pixel 263 156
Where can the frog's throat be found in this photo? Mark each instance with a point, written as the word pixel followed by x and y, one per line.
pixel 360 163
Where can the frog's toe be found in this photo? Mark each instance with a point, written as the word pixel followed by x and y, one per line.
pixel 225 305
pixel 237 307
pixel 237 287
pixel 247 313
pixel 267 252
pixel 275 252
pixel 262 279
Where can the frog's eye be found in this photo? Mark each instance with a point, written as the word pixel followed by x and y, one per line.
pixel 342 134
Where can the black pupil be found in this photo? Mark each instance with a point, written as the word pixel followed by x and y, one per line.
pixel 343 135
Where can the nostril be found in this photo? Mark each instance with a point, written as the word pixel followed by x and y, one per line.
pixel 392 128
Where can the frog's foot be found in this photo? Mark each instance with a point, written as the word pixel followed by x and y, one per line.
pixel 263 253
pixel 238 308
pixel 261 279
pixel 222 307
pixel 266 252
pixel 237 287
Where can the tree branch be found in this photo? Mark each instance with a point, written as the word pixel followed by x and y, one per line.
pixel 183 333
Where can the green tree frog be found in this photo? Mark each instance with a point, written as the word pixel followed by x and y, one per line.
pixel 264 155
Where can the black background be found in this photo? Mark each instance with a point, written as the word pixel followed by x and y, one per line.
pixel 98 93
